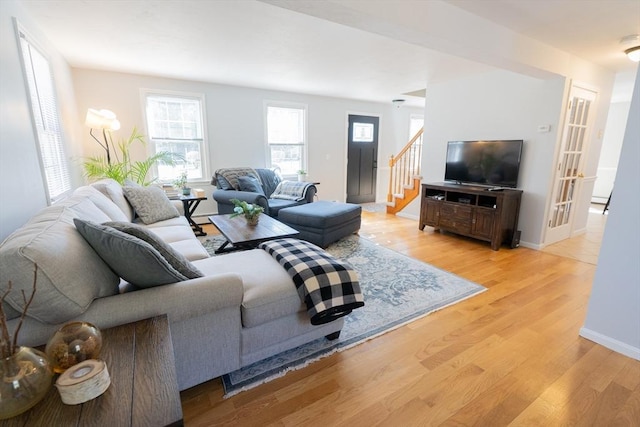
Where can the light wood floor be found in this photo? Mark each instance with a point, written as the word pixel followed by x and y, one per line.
pixel 510 356
pixel 584 247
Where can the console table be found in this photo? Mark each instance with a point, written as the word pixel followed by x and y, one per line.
pixel 481 213
pixel 190 203
pixel 144 387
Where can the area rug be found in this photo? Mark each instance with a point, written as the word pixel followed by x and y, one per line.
pixel 397 290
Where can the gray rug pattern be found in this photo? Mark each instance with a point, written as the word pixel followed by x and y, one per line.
pixel 397 290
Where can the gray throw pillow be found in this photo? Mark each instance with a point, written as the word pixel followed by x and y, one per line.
pixel 251 184
pixel 173 257
pixel 150 203
pixel 222 183
pixel 133 259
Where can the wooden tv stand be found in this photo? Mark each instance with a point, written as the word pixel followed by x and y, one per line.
pixel 475 212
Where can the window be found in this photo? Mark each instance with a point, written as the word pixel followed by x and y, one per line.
pixel 175 124
pixel 416 122
pixel 286 137
pixel 44 110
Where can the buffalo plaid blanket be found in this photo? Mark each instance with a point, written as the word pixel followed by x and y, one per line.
pixel 291 190
pixel 329 288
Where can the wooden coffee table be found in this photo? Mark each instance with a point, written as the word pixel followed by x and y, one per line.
pixel 144 387
pixel 242 236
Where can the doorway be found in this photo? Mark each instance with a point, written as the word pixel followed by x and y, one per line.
pixel 568 174
pixel 362 158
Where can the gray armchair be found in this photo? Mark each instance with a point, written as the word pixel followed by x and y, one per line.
pixel 256 186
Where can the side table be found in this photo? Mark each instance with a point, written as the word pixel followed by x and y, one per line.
pixel 190 204
pixel 144 387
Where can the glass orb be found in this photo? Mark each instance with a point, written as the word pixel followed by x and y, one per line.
pixel 75 342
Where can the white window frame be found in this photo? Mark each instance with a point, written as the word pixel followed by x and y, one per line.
pixel 45 117
pixel 304 144
pixel 204 146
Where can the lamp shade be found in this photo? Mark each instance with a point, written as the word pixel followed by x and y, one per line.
pixel 94 119
pixel 102 119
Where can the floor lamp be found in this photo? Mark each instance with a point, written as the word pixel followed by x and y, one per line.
pixel 105 120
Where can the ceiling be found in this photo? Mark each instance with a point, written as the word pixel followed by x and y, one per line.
pixel 256 44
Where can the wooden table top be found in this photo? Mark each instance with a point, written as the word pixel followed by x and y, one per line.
pixel 236 230
pixel 144 387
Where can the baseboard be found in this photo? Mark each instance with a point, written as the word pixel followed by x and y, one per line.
pixel 408 216
pixel 531 245
pixel 610 343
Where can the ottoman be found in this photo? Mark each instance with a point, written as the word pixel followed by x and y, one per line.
pixel 322 222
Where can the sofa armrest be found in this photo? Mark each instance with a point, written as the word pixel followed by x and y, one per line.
pixel 225 206
pixel 311 193
pixel 180 301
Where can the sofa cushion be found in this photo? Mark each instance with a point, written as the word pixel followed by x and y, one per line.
pixel 133 259
pixel 104 203
pixel 9 312
pixel 321 214
pixel 270 180
pixel 70 273
pixel 250 183
pixel 269 292
pixel 113 190
pixel 173 257
pixel 150 203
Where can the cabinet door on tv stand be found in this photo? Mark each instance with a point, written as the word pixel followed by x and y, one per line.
pixel 432 213
pixel 483 221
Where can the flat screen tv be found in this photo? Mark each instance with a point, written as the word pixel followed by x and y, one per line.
pixel 487 163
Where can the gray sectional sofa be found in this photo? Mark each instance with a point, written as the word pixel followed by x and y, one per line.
pixel 244 307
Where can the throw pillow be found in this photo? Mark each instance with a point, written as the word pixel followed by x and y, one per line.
pixel 250 183
pixel 232 174
pixel 133 259
pixel 150 203
pixel 222 182
pixel 173 257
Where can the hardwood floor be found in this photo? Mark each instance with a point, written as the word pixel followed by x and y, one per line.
pixel 509 356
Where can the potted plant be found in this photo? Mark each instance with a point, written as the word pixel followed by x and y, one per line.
pixel 250 212
pixel 302 175
pixel 25 373
pixel 181 182
pixel 119 165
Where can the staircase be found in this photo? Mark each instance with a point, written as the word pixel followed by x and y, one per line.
pixel 404 180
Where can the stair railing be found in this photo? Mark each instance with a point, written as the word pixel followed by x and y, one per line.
pixel 405 166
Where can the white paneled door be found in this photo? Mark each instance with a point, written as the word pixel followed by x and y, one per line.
pixel 568 173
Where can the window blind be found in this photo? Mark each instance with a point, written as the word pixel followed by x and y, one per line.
pixel 44 108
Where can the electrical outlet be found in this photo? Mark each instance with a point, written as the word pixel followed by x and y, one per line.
pixel 544 128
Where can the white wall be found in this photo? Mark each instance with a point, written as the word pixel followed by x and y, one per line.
pixel 235 125
pixel 497 105
pixel 22 189
pixel 610 152
pixel 613 315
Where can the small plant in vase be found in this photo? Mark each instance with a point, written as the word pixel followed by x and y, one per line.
pixel 181 182
pixel 25 373
pixel 250 212
pixel 302 175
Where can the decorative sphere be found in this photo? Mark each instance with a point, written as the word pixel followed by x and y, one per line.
pixel 75 342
